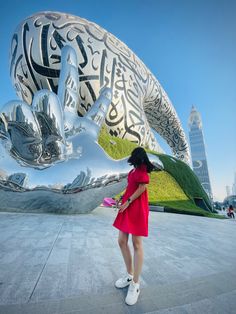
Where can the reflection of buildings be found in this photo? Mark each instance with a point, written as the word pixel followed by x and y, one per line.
pixel 198 153
pixel 15 182
pixel 18 178
pixel 85 181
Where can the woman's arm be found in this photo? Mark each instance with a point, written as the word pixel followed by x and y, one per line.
pixel 141 188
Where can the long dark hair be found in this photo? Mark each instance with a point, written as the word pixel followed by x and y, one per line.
pixel 139 157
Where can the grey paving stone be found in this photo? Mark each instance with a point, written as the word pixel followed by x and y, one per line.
pixel 68 264
pixel 223 304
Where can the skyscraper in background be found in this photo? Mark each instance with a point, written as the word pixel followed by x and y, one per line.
pixel 228 190
pixel 198 153
pixel 234 185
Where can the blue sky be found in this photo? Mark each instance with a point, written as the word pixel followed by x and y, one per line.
pixel 189 45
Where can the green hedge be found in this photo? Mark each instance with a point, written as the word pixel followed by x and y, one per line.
pixel 185 177
pixel 175 188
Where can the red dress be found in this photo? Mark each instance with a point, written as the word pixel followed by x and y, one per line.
pixel 134 219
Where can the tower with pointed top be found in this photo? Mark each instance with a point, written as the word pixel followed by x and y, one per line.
pixel 234 185
pixel 198 152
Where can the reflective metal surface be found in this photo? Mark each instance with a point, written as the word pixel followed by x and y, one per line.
pixel 49 156
pixel 138 100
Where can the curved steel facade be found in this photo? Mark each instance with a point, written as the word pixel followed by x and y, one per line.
pixel 138 100
pixel 75 76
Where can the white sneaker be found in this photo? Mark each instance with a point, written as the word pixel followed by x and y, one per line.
pixel 124 281
pixel 133 293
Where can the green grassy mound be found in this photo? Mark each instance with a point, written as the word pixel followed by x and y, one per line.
pixel 175 188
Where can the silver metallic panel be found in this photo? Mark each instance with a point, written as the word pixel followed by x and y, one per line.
pixel 138 100
pixel 49 156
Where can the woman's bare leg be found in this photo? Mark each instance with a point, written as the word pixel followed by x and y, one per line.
pixel 125 250
pixel 138 256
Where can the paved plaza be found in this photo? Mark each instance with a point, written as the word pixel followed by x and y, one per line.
pixel 68 264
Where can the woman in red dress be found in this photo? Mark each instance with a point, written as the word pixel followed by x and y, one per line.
pixel 132 218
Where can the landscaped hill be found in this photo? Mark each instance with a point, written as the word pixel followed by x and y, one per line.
pixel 175 188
